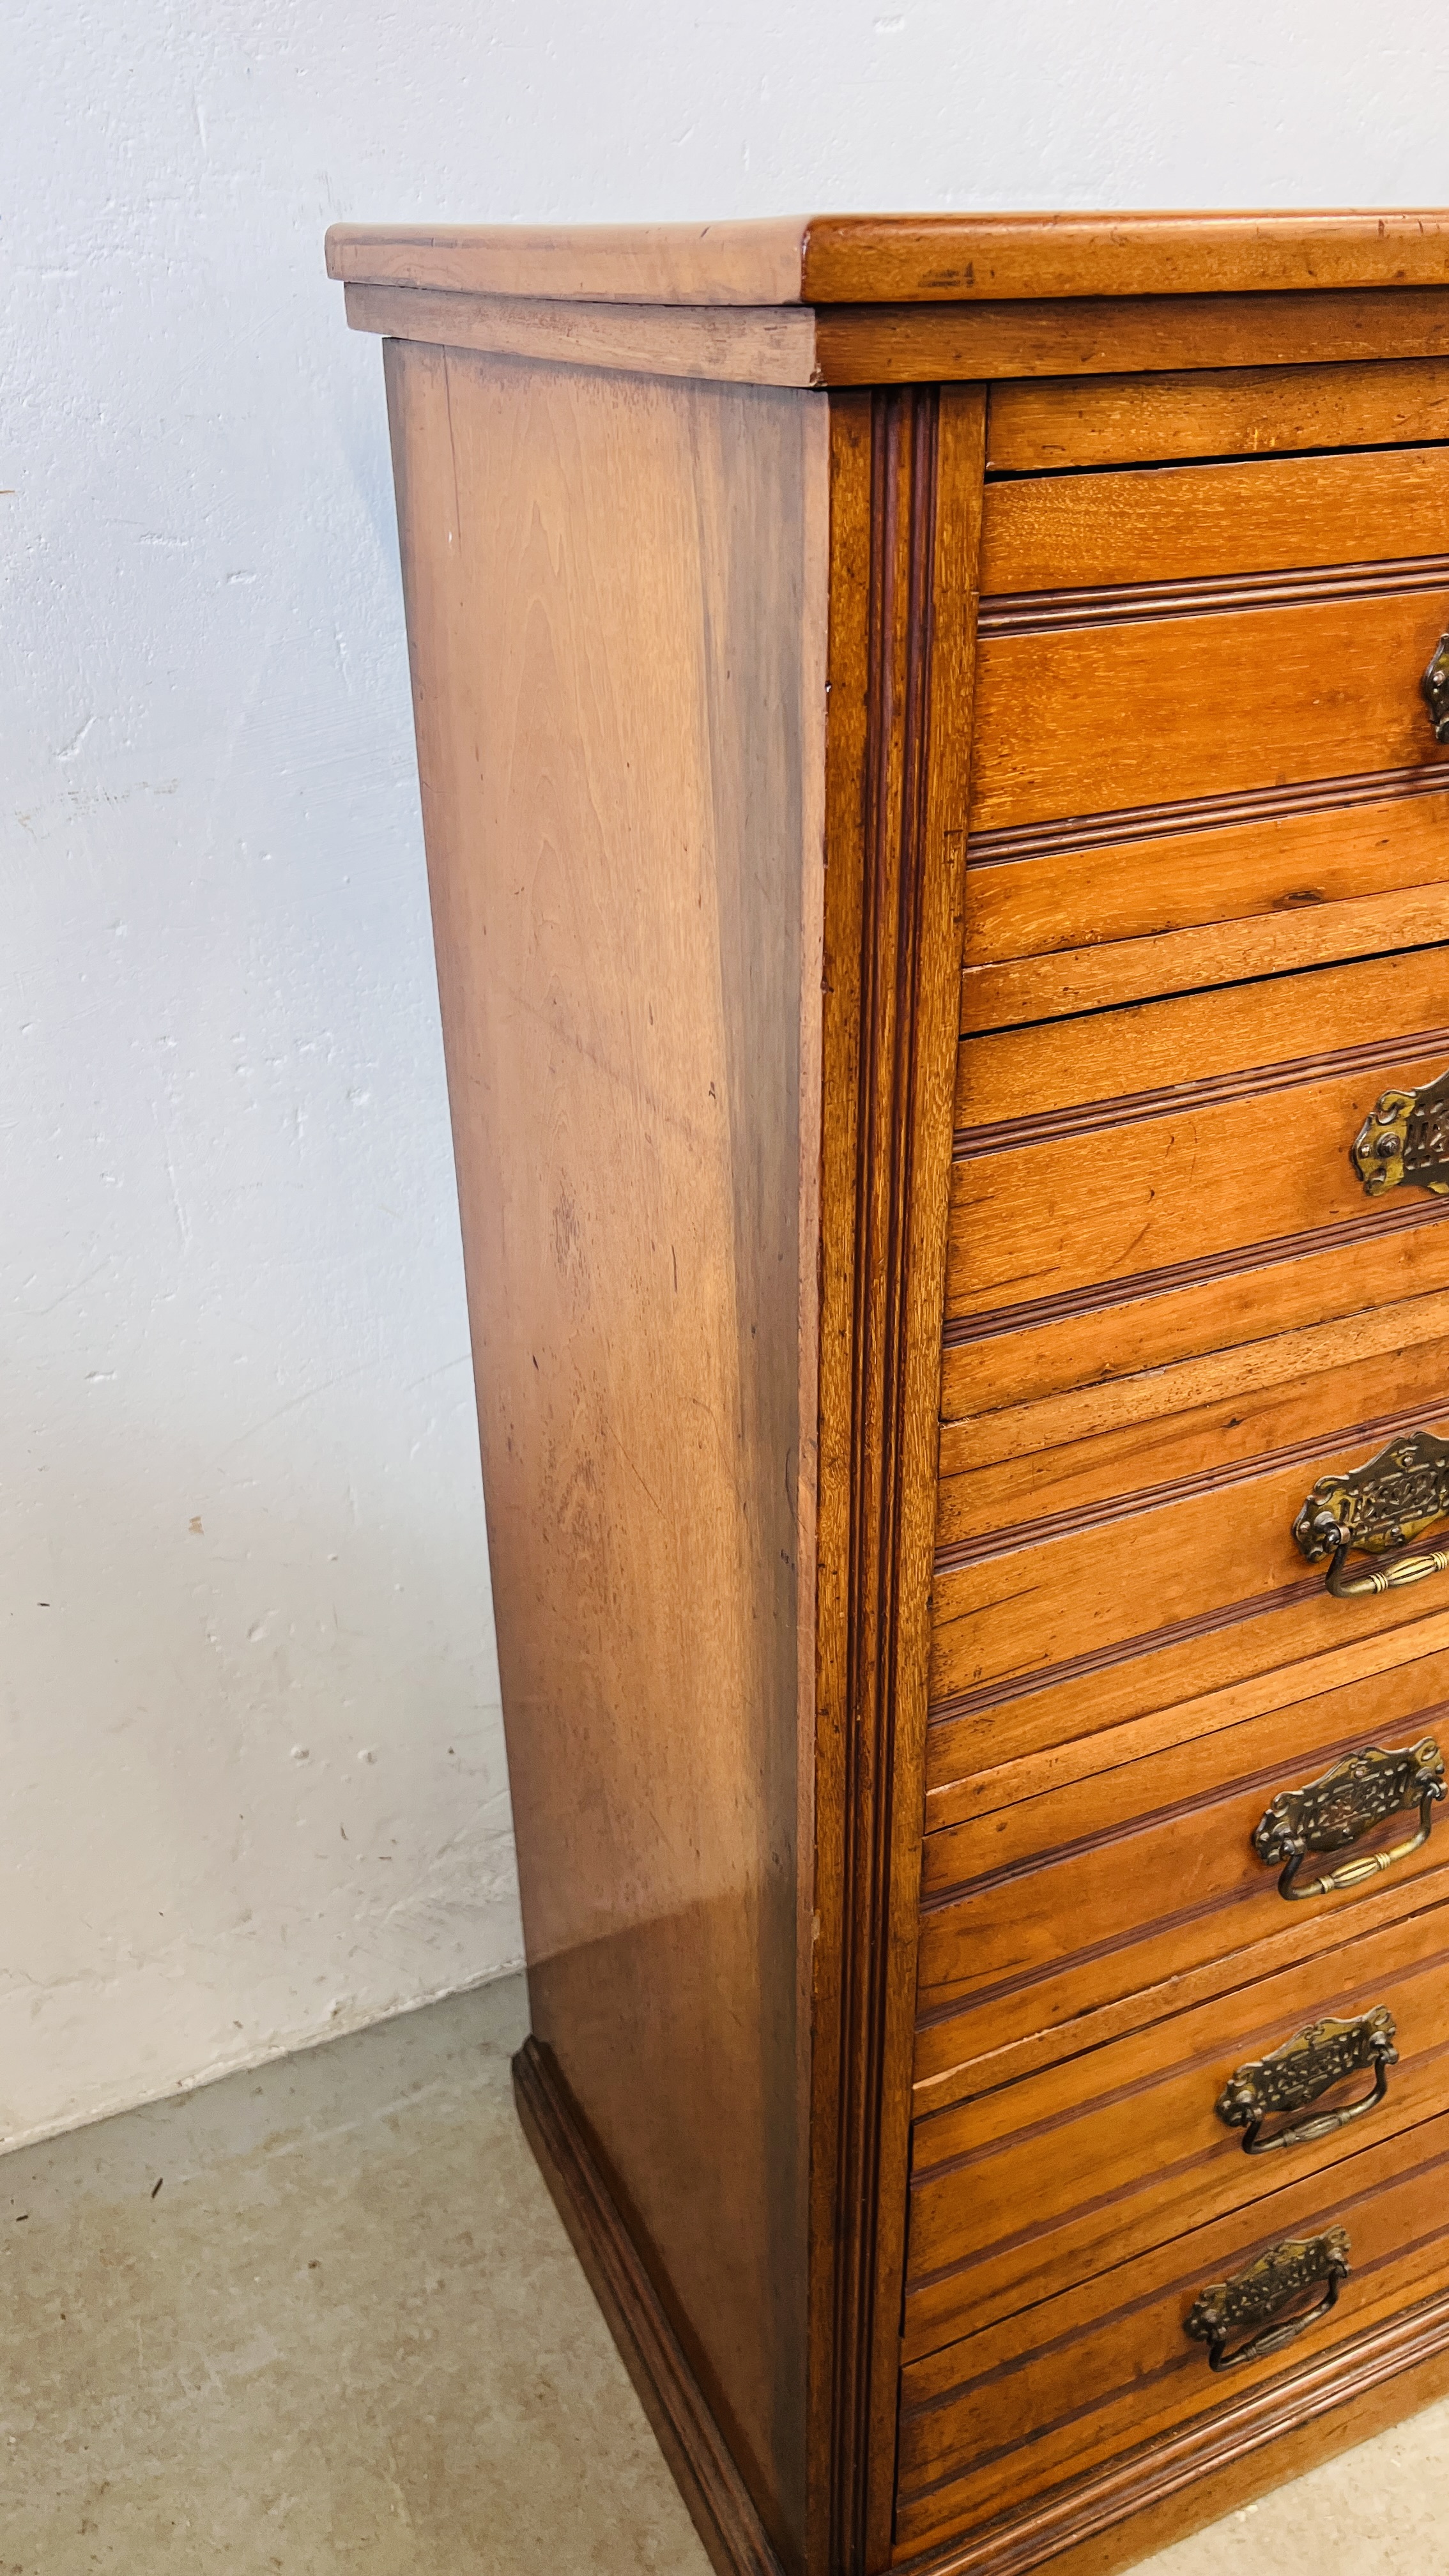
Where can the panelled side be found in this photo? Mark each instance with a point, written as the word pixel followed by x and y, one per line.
pixel 616 595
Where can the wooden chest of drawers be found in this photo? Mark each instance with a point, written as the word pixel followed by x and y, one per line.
pixel 939 842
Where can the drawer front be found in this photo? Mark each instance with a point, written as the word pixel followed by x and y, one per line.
pixel 1028 1352
pixel 1035 2186
pixel 1019 2408
pixel 1201 751
pixel 1107 1152
pixel 1059 1904
pixel 1116 1255
pixel 1157 1567
pixel 990 1484
pixel 1088 923
pixel 1043 422
pixel 1098 717
pixel 1055 534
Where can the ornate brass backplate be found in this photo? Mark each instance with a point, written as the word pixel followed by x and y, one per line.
pixel 1434 689
pixel 1300 2071
pixel 1329 1814
pixel 1379 1506
pixel 1405 1138
pixel 1254 2297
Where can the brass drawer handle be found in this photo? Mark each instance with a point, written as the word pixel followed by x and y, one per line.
pixel 1405 1138
pixel 1256 2296
pixel 1434 689
pixel 1292 2076
pixel 1378 1507
pixel 1337 1810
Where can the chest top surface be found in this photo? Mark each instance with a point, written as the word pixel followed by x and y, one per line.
pixel 824 300
pixel 906 258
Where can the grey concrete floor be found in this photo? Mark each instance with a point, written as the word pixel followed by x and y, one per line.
pixel 325 2317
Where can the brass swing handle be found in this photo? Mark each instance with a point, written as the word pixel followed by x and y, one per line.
pixel 1329 1814
pixel 1377 1508
pixel 1300 2072
pixel 1253 2298
pixel 1414 1566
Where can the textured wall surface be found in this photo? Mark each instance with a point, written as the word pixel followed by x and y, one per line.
pixel 253 1785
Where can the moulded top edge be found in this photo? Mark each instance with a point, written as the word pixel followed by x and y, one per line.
pixel 905 259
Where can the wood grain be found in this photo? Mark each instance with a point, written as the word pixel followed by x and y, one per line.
pixel 956 344
pixel 1164 2490
pixel 1092 719
pixel 721 2505
pixel 1180 910
pixel 1101 1337
pixel 1086 2376
pixel 702 1087
pixel 755 262
pixel 948 2071
pixel 1054 533
pixel 1065 1183
pixel 1104 1475
pixel 906 485
pixel 758 344
pixel 1040 427
pixel 910 343
pixel 1117 1205
pixel 959 1792
pixel 1042 1911
pixel 1044 2183
pixel 944 257
pixel 1012 1605
pixel 1275 869
pixel 621 843
pixel 866 344
pixel 1187 961
pixel 1244 1375
pixel 855 258
pixel 1032 1712
pixel 1064 836
pixel 1197 1047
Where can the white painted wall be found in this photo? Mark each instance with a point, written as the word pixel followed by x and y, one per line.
pixel 251 1774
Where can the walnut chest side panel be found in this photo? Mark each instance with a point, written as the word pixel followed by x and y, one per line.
pixel 616 593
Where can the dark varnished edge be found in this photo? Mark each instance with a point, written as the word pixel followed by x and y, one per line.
pixel 719 2502
pixel 1067 611
pixel 1166 2467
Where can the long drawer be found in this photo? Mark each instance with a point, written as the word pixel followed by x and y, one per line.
pixel 1051 533
pixel 1155 637
pixel 1026 1352
pixel 1034 2186
pixel 1100 918
pixel 1014 2410
pixel 1092 717
pixel 1114 1148
pixel 1146 1572
pixel 1201 752
pixel 1056 1905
